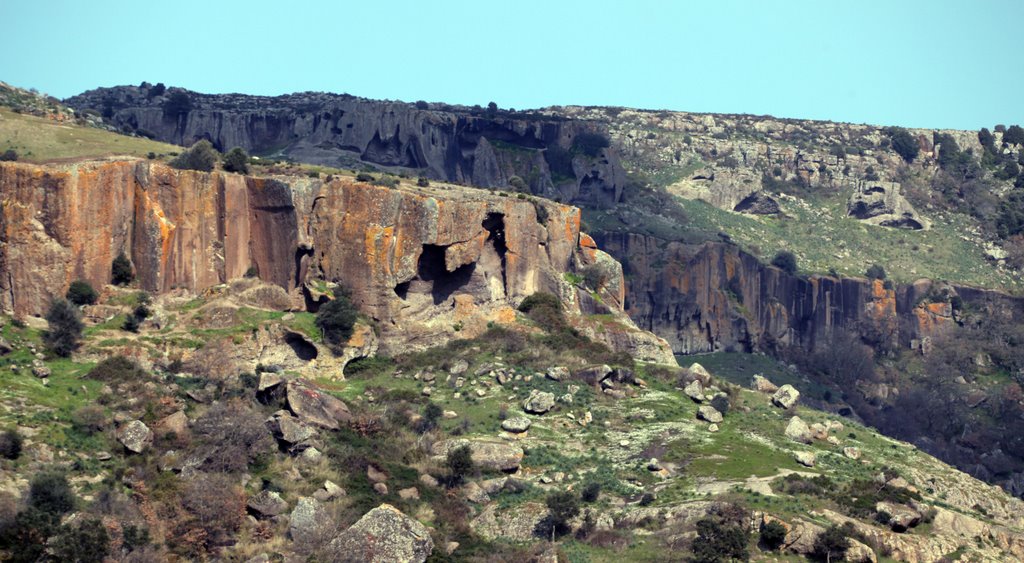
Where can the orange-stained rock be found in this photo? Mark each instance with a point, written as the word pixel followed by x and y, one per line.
pixel 423 263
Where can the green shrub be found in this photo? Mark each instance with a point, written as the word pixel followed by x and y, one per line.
pixel 460 464
pixel 9 155
pixel 590 144
pixel 590 491
pixel 518 184
pixel 131 323
pixel 718 541
pixel 364 177
pixel 177 104
pixel 562 507
pixel 116 369
pixel 65 330
pixel 773 535
pixel 237 160
pixel 84 541
pixel 81 293
pixel 832 544
pixel 721 404
pixel 121 270
pixel 786 261
pixel 1014 135
pixel 422 182
pixel 904 143
pixel 10 444
pixel 200 156
pixel 50 493
pixel 336 320
pixel 875 272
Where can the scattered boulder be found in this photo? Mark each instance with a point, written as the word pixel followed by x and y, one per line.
pixel 701 374
pixel 5 347
pixel 710 414
pixel 852 452
pixel 135 436
pixel 593 375
pixel 806 459
pixel 486 454
pixel 383 535
pixel 557 373
pixel 266 504
pixel 516 425
pixel 375 475
pixel 410 493
pixel 40 370
pixel 761 384
pixel 798 430
pixel 858 551
pixel 786 397
pixel 539 402
pixel 381 488
pixel 289 429
pixel 176 423
pixel 695 391
pixel 901 516
pixel 309 521
pixel 459 367
pixel 819 431
pixel 315 407
pixel 712 428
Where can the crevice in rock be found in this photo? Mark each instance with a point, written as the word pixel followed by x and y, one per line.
pixel 431 268
pixel 494 223
pixel 301 346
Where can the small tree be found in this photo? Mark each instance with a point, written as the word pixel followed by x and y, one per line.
pixel 1014 135
pixel 876 272
pixel 562 507
pixel 719 541
pixel 200 156
pixel 81 293
pixel 9 155
pixel 460 464
pixel 832 544
pixel 66 327
pixel 591 491
pixel 773 535
pixel 51 494
pixel 786 261
pixel 121 270
pixel 10 443
pixel 518 184
pixel 84 541
pixel 335 321
pixel 177 104
pixel 237 160
pixel 904 144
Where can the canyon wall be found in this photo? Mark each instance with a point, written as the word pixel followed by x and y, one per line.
pixel 715 297
pixel 423 263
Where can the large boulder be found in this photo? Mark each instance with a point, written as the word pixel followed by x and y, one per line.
pixel 383 535
pixel 798 430
pixel 266 504
pixel 762 384
pixel 492 455
pixel 539 402
pixel 316 407
pixel 135 436
pixel 694 390
pixel 901 516
pixel 710 414
pixel 289 429
pixel 516 425
pixel 309 522
pixel 786 397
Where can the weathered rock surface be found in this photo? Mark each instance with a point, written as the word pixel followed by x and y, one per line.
pixel 710 414
pixel 786 397
pixel 881 203
pixel 493 455
pixel 313 406
pixel 538 402
pixel 516 425
pixel 309 521
pixel 267 504
pixel 135 436
pixel 798 430
pixel 762 384
pixel 383 535
pixel 418 260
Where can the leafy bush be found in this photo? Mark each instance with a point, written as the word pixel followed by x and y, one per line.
pixel 875 272
pixel 65 330
pixel 422 182
pixel 518 184
pixel 234 437
pixel 1014 135
pixel 718 541
pixel 460 464
pixel 81 293
pixel 237 160
pixel 336 320
pixel 540 300
pixel 84 541
pixel 590 144
pixel 50 493
pixel 131 324
pixel 177 104
pixel 591 491
pixel 10 444
pixel 721 404
pixel 562 507
pixel 773 535
pixel 121 270
pixel 9 155
pixel 364 177
pixel 157 90
pixel 200 156
pixel 832 544
pixel 904 143
pixel 786 261
pixel 116 369
pixel 89 419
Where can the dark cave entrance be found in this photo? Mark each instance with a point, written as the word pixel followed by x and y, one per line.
pixel 495 225
pixel 431 268
pixel 302 348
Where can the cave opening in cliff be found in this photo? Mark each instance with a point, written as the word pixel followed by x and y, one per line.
pixel 302 348
pixel 432 268
pixel 494 223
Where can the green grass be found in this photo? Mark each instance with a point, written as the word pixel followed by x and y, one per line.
pixel 740 368
pixel 36 139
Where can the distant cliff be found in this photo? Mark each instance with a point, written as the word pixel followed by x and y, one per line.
pixel 716 297
pixel 440 142
pixel 424 263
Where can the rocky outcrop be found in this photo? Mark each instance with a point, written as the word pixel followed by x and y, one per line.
pixel 882 204
pixel 421 262
pixel 716 297
pixel 383 535
pixel 450 143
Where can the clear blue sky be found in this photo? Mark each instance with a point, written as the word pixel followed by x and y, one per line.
pixel 938 63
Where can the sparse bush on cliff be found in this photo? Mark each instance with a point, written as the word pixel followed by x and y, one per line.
pixel 875 272
pixel 460 464
pixel 9 155
pixel 66 326
pixel 422 182
pixel 81 293
pixel 562 507
pixel 518 184
pixel 786 261
pixel 904 143
pixel 177 104
pixel 121 270
pixel 157 90
pixel 364 177
pixel 590 144
pixel 237 160
pixel 1014 135
pixel 10 444
pixel 336 319
pixel 200 156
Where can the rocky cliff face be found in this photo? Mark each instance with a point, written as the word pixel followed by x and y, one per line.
pixel 440 142
pixel 715 297
pixel 424 263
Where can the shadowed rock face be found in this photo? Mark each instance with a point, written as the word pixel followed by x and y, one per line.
pixel 453 144
pixel 715 297
pixel 424 263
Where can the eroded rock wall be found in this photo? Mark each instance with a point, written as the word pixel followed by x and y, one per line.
pixel 424 263
pixel 715 297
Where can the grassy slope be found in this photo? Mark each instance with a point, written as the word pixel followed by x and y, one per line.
pixel 37 139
